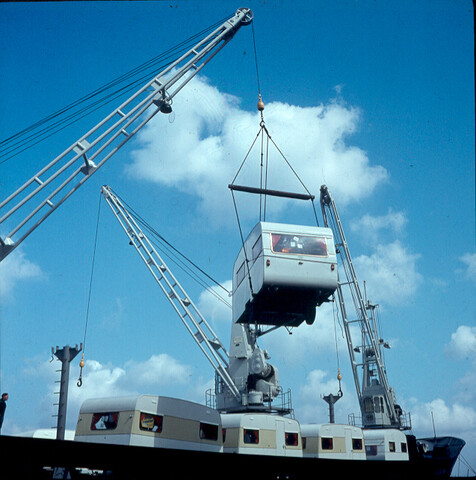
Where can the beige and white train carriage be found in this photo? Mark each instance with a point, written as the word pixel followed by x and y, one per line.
pixel 282 273
pixel 261 434
pixel 386 444
pixel 333 441
pixel 150 421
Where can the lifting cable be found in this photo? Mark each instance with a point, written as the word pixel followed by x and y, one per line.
pixel 264 167
pixel 81 363
pixel 66 116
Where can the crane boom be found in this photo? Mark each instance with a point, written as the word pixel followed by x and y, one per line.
pixel 191 317
pixel 376 397
pixel 58 180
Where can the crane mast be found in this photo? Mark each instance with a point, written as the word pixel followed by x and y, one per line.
pixel 376 398
pixel 43 193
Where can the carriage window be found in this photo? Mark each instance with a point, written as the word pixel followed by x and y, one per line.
pixel 356 444
pixel 327 443
pixel 104 421
pixel 257 247
pixel 250 436
pixel 291 439
pixel 240 274
pixel 151 423
pixel 208 431
pixel 299 244
pixel 391 446
pixel 403 446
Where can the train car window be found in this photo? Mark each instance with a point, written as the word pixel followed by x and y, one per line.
pixel 391 446
pixel 403 446
pixel 256 249
pixel 240 274
pixel 299 244
pixel 208 431
pixel 104 421
pixel 151 423
pixel 356 444
pixel 250 436
pixel 291 439
pixel 304 443
pixel 327 443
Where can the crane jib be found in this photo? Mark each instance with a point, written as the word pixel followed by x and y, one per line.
pixel 61 177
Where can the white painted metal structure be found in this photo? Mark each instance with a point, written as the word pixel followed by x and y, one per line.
pixel 377 398
pixel 60 178
pixel 282 273
pixel 386 444
pixel 261 434
pixel 191 317
pixel 150 421
pixel 333 441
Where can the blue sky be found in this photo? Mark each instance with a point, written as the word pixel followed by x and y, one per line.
pixel 374 99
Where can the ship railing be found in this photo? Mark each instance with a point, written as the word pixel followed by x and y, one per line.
pixel 282 404
pixel 405 422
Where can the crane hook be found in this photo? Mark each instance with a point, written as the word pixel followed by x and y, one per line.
pixel 81 365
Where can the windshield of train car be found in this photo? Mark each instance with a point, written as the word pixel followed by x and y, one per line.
pixel 299 244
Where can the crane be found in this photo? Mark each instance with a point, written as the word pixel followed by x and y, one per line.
pixel 376 397
pixel 244 379
pixel 45 191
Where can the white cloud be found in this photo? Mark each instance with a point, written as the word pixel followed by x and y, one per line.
pixel 202 150
pixel 469 259
pixel 390 272
pixel 215 304
pixel 463 343
pixel 448 418
pixel 16 268
pixel 158 370
pixel 312 407
pixel 374 225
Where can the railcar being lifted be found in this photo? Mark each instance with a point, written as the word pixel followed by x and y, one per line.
pixel 282 273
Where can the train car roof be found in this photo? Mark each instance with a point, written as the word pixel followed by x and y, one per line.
pixel 329 429
pixel 151 404
pixel 255 420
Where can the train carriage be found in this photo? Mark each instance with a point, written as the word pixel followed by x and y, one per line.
pixel 150 421
pixel 282 273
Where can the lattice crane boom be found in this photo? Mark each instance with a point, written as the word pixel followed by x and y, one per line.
pixel 376 397
pixel 195 323
pixel 43 193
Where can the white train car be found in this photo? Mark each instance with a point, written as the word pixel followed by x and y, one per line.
pixel 150 421
pixel 282 273
pixel 333 441
pixel 386 444
pixel 261 434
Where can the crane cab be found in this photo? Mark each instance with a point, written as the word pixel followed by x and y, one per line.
pixel 282 273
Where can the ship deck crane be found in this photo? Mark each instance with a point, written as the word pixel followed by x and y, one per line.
pixel 193 320
pixel 45 191
pixel 245 381
pixel 376 398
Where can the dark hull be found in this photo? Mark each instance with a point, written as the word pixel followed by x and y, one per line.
pixel 33 458
pixel 436 455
